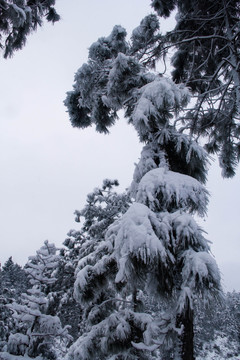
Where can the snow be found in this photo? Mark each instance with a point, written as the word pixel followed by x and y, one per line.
pixel 145 164
pixel 114 330
pixel 161 94
pixel 142 346
pixel 7 356
pixel 125 72
pixel 50 325
pixel 147 28
pixel 24 312
pixel 81 279
pixel 135 235
pixel 21 14
pixel 87 273
pixel 40 265
pixel 185 294
pixel 164 93
pixel 144 109
pixel 160 188
pixel 17 343
pixel 200 265
pixel 222 347
pixel 187 231
pixel 123 329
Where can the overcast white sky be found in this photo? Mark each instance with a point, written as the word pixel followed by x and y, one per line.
pixel 48 167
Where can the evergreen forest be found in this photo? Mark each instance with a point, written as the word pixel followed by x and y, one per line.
pixel 137 280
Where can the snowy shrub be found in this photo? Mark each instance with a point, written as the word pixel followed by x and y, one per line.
pixel 17 344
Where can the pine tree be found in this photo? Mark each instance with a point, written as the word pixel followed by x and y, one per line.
pixel 18 18
pixel 13 281
pixel 14 278
pixel 156 246
pixel 61 302
pixel 37 331
pixel 104 205
pixel 207 43
pixel 6 321
pixel 103 313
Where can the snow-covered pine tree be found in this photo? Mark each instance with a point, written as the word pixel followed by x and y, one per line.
pixel 14 278
pixel 18 18
pixel 6 320
pixel 13 281
pixel 206 59
pixel 61 302
pixel 37 330
pixel 157 246
pixel 104 206
pixel 104 316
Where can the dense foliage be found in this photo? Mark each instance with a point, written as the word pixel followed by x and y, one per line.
pixel 18 18
pixel 216 327
pixel 155 248
pixel 35 331
pixel 13 281
pixel 206 58
pixel 137 280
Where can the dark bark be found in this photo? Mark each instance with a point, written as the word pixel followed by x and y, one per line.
pixel 185 320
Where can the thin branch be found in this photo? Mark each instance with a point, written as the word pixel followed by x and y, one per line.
pixel 113 299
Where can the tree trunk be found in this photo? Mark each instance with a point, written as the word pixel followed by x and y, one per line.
pixel 185 320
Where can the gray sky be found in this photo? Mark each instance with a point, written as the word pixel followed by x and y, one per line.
pixel 48 167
